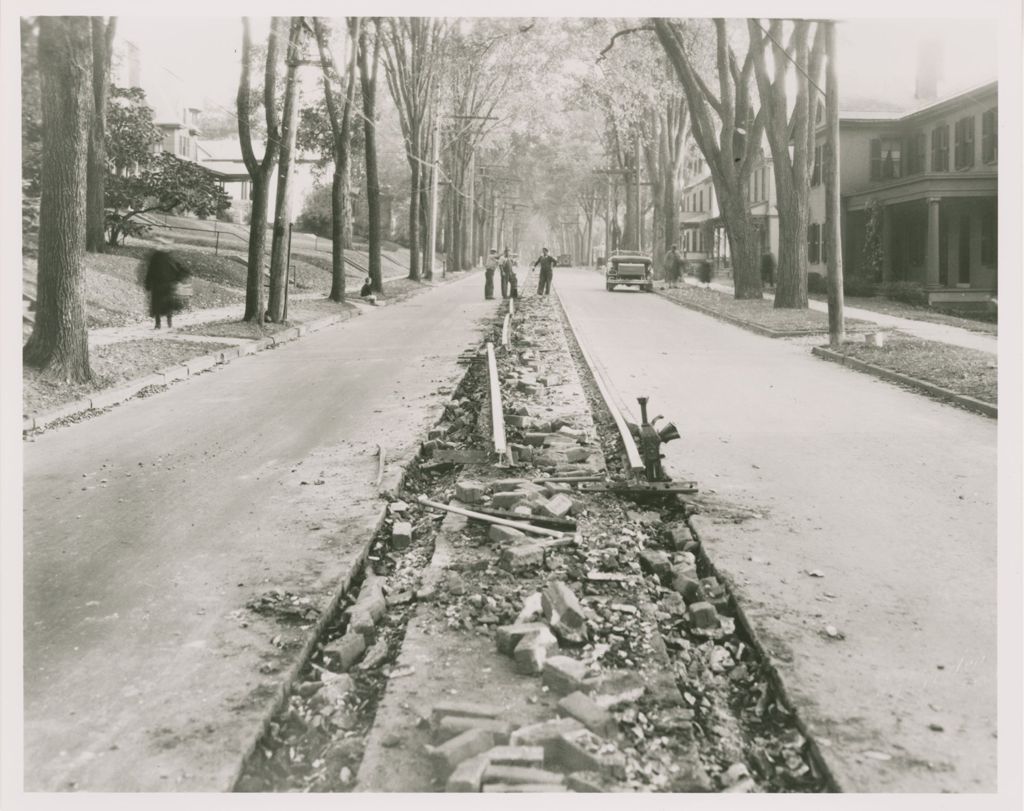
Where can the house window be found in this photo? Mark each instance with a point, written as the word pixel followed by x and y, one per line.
pixel 814 243
pixel 989 236
pixel 816 171
pixel 940 148
pixel 915 153
pixel 963 150
pixel 886 158
pixel 989 144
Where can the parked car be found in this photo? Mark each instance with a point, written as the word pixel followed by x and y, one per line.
pixel 564 260
pixel 631 269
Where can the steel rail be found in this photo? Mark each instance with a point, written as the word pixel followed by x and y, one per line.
pixel 497 414
pixel 636 463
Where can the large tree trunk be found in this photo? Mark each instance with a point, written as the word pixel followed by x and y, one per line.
pixel 339 202
pixel 744 248
pixel 670 204
pixel 255 305
pixel 59 344
pixel 368 81
pixel 414 222
pixel 279 259
pixel 95 219
pixel 425 198
pixel 791 290
pixel 259 171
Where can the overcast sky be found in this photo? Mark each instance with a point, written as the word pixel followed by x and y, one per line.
pixel 877 58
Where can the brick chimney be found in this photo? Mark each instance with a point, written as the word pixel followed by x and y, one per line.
pixel 929 69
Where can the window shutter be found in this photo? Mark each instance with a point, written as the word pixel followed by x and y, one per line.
pixel 969 141
pixel 876 158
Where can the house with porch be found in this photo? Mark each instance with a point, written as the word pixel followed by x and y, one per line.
pixel 930 175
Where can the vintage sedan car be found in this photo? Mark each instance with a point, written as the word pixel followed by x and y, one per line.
pixel 631 269
pixel 564 260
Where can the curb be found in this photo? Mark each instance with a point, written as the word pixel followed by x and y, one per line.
pixel 703 532
pixel 962 400
pixel 171 374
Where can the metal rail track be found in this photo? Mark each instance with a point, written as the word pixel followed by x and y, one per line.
pixel 497 412
pixel 636 463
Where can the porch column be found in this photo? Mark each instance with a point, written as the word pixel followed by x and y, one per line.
pixel 886 239
pixel 931 261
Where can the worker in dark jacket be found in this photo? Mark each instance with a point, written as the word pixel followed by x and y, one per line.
pixel 163 277
pixel 547 265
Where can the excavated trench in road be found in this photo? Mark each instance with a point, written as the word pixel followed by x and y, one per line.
pixel 711 716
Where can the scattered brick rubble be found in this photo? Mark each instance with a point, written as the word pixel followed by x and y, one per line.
pixel 615 622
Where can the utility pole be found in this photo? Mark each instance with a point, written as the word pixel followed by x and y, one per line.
pixel 836 327
pixel 434 171
pixel 639 198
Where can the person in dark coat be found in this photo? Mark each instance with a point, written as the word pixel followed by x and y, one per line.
pixel 547 265
pixel 164 274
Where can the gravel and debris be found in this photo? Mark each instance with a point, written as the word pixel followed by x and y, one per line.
pixel 630 641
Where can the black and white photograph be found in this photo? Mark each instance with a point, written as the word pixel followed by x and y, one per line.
pixel 512 400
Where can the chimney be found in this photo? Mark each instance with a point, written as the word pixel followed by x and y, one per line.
pixel 929 69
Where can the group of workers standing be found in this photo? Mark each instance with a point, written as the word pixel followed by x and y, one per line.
pixel 506 266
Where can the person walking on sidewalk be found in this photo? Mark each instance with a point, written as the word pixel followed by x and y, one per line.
pixel 673 267
pixel 489 267
pixel 167 283
pixel 547 265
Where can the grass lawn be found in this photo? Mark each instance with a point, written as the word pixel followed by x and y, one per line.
pixel 901 310
pixel 961 370
pixel 112 365
pixel 759 312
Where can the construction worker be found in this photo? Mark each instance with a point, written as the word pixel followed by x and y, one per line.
pixel 489 268
pixel 507 273
pixel 547 264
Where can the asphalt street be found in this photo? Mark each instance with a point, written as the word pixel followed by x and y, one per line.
pixel 836 500
pixel 147 530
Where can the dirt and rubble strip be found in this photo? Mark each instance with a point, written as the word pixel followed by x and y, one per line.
pixel 589 650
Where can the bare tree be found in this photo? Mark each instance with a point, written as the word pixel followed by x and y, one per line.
pixel 800 60
pixel 339 94
pixel 59 343
pixel 102 46
pixel 282 208
pixel 259 171
pixel 664 151
pixel 413 48
pixel 369 61
pixel 732 146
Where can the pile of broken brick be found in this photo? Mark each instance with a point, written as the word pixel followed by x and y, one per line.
pixel 476 750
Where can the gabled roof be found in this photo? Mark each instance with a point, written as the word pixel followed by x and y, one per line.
pixel 875 111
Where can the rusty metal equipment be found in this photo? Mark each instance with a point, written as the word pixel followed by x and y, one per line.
pixel 650 439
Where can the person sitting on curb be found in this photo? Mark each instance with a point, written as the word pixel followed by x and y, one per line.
pixel 366 291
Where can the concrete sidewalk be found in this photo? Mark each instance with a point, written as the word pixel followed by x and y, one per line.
pixel 943 333
pixel 148 529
